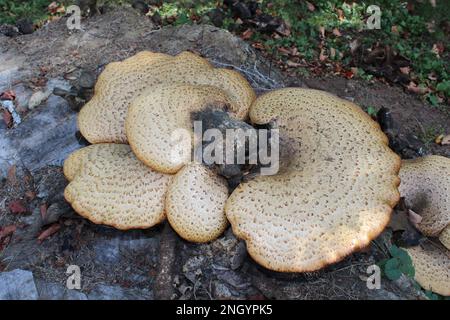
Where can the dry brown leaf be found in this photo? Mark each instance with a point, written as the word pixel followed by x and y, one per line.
pixel 446 140
pixel 292 64
pixel 336 32
pixel 340 13
pixel 7 230
pixel 247 34
pixel 7 118
pixel 48 232
pixel 17 207
pixel 8 95
pixel 413 87
pixel 322 31
pixel 405 70
pixel 414 218
pixel 310 6
pixel 322 56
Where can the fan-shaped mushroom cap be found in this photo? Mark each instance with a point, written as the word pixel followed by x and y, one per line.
pixel 432 268
pixel 154 118
pixel 74 161
pixel 335 195
pixel 195 203
pixel 102 118
pixel 425 184
pixel 444 237
pixel 113 187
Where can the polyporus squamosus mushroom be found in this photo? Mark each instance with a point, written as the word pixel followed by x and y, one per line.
pixel 432 268
pixel 102 119
pixel 157 114
pixel 335 195
pixel 195 203
pixel 425 185
pixel 111 186
pixel 444 237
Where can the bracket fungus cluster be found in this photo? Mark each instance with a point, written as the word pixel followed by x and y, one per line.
pixel 333 196
pixel 425 186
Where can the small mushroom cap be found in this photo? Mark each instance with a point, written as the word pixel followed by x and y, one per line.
pixel 335 195
pixel 113 187
pixel 425 185
pixel 432 268
pixel 444 237
pixel 102 118
pixel 155 117
pixel 195 203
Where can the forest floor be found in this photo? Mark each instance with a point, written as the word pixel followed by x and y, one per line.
pixel 46 236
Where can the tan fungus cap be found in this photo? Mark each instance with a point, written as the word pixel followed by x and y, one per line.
pixel 334 197
pixel 195 203
pixel 425 185
pixel 102 118
pixel 432 268
pixel 113 187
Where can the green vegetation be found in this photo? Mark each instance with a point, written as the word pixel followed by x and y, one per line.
pixel 11 11
pixel 323 36
pixel 399 263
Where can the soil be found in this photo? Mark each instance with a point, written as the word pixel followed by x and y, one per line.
pixel 155 263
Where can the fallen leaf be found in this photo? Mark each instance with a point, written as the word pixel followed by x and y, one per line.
pixel 336 32
pixel 341 16
pixel 11 176
pixel 332 53
pixel 7 118
pixel 43 210
pixel 322 56
pixel 284 51
pixel 438 139
pixel 394 29
pixel 310 6
pixel 8 95
pixel 322 31
pixel 413 87
pixel 48 232
pixel 293 64
pixel 7 230
pixel 354 45
pixel 30 195
pixel 438 49
pixel 247 34
pixel 415 218
pixel 17 207
pixel 405 70
pixel 349 74
pixel 446 140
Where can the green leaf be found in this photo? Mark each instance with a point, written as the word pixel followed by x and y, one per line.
pixel 393 274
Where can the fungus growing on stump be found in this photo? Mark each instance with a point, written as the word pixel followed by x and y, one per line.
pixel 425 185
pixel 335 195
pixel 111 186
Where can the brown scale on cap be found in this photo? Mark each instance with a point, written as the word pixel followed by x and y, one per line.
pixel 425 185
pixel 102 119
pixel 432 268
pixel 195 203
pixel 335 195
pixel 111 186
